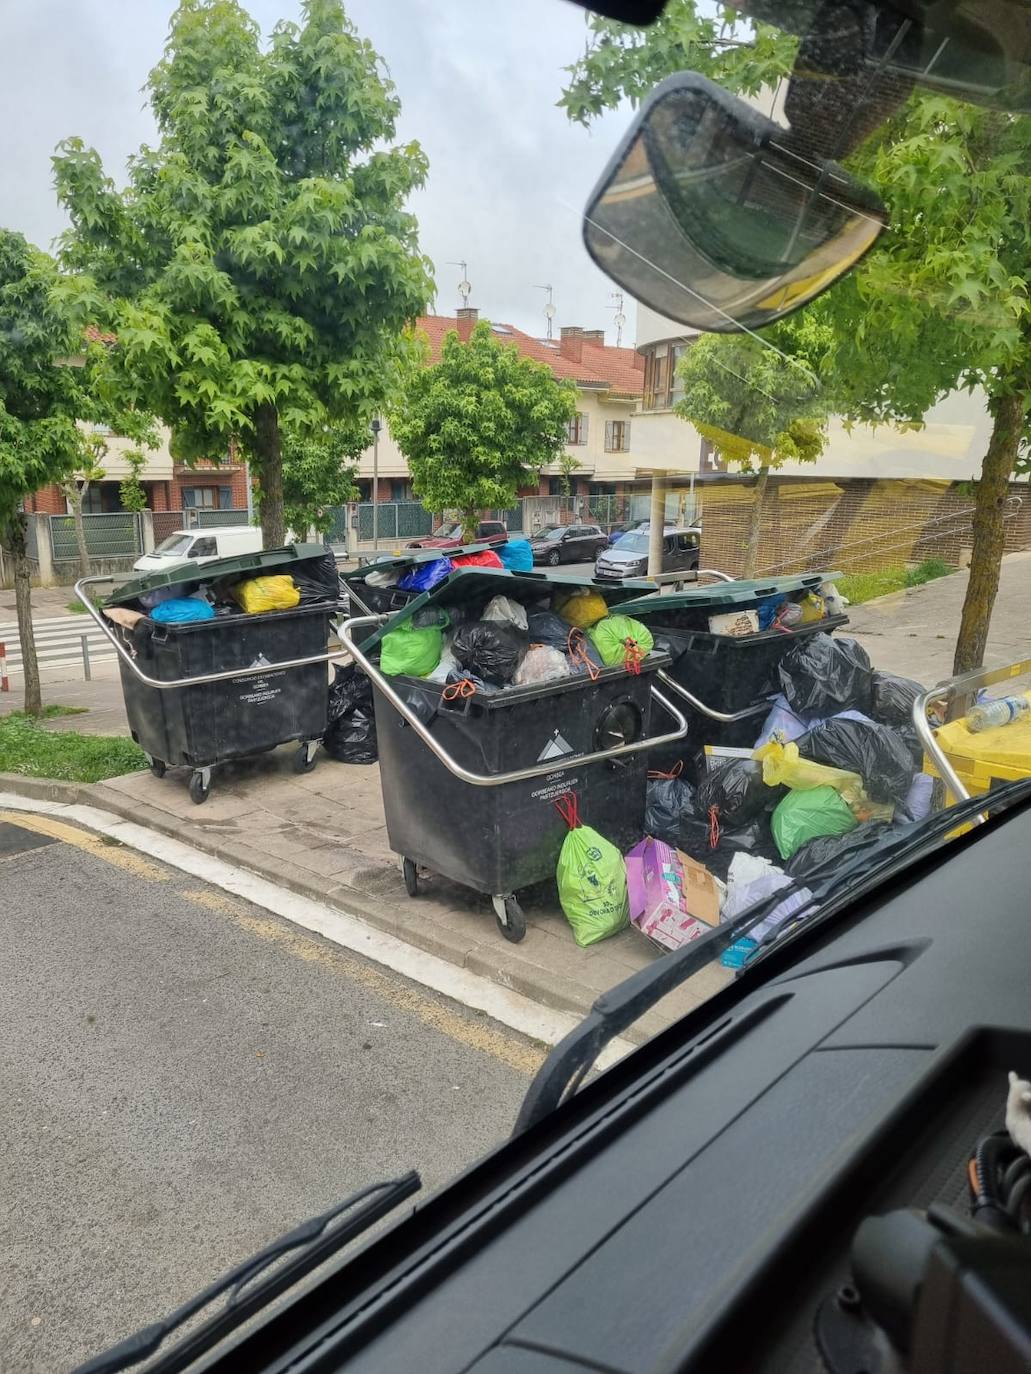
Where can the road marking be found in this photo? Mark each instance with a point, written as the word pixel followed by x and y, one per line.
pixel 126 859
pixel 524 1058
pixel 343 928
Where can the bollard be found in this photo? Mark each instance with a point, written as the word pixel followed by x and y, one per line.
pixel 5 681
pixel 85 658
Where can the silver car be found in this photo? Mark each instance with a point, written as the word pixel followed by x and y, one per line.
pixel 628 557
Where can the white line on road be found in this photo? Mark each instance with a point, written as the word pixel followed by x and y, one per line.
pixel 509 1008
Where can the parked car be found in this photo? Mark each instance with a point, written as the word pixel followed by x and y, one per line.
pixel 449 536
pixel 201 546
pixel 618 531
pixel 556 544
pixel 628 557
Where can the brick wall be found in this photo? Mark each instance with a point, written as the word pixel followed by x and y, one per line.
pixel 855 524
pixel 48 500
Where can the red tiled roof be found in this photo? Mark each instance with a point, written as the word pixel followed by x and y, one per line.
pixel 601 366
pixel 95 335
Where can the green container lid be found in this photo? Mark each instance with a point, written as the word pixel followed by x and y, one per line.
pixel 722 595
pixel 472 584
pixel 188 576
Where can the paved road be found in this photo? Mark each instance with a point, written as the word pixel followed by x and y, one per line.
pixel 58 642
pixel 184 1077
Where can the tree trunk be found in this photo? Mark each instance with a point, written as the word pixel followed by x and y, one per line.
pixel 470 519
pixel 989 532
pixel 269 454
pixel 23 606
pixel 754 534
pixel 75 499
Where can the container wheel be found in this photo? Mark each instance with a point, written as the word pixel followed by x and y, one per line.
pixel 304 760
pixel 411 877
pixel 157 767
pixel 510 918
pixel 200 787
pixel 552 559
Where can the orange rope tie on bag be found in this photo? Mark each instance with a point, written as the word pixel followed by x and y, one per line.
pixel 674 772
pixel 576 647
pixel 632 656
pixel 714 827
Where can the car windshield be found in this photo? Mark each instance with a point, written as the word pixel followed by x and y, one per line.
pixel 175 543
pixel 753 274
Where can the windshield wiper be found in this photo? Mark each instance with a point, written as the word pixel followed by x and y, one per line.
pixel 617 1009
pixel 315 1247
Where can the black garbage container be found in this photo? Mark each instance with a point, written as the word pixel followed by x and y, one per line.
pixel 232 701
pixel 502 832
pixel 730 676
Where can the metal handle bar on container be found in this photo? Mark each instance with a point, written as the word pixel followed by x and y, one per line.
pixel 231 674
pixel 948 690
pixel 762 708
pixel 517 774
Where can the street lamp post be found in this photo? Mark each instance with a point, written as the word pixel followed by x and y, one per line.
pixel 376 426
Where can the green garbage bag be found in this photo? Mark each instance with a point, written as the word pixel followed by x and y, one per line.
pixel 807 813
pixel 591 879
pixel 411 649
pixel 621 641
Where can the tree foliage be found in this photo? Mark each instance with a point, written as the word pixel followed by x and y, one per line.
pixel 318 473
pixel 941 303
pixel 479 424
pixel 262 261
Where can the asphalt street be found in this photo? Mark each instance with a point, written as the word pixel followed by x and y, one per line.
pixel 185 1077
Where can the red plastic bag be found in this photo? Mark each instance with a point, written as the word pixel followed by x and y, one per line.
pixel 487 559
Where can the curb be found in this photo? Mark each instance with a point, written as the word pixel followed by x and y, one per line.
pixel 538 984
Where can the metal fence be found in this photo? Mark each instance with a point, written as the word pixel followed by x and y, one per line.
pixel 197 519
pixel 107 536
pixel 395 520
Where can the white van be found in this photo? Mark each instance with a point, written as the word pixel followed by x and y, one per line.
pixel 201 546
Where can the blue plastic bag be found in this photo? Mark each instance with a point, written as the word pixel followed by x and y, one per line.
pixel 179 609
pixel 426 575
pixel 767 608
pixel 516 555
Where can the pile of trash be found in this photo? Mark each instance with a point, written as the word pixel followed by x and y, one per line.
pixel 835 769
pixel 504 643
pixel 316 582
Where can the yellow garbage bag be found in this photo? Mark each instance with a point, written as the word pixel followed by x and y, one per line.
pixel 813 608
pixel 259 594
pixel 782 764
pixel 582 607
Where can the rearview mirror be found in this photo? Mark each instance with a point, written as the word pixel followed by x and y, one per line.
pixel 712 215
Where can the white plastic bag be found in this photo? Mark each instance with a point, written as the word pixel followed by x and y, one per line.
pixel 750 879
pixel 541 663
pixel 505 610
pixel 446 665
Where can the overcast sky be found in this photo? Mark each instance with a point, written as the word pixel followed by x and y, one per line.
pixel 478 81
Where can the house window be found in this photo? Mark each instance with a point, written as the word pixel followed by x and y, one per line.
pixel 102 498
pixel 617 436
pixel 206 498
pixel 400 489
pixel 576 429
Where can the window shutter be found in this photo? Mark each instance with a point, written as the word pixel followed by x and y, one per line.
pixel 626 435
pixel 608 436
pixel 583 418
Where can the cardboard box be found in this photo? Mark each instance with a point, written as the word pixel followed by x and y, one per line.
pixel 673 899
pixel 735 623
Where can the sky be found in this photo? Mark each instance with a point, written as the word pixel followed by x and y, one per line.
pixel 478 81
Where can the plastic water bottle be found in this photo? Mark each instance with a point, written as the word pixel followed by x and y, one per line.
pixel 991 714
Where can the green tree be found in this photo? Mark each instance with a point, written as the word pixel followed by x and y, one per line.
pixel 759 407
pixel 42 395
pixel 130 490
pixel 261 258
pixel 479 424
pixel 940 304
pixel 318 473
pixel 75 487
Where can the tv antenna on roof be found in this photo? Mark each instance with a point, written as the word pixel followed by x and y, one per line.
pixel 549 310
pixel 464 289
pixel 619 319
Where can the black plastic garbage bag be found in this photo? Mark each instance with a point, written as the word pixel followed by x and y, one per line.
pixel 458 678
pixel 876 752
pixel 667 801
pixel 545 627
pixel 696 834
pixel 821 675
pixel 489 649
pixel 833 856
pixel 351 733
pixel 892 698
pixel 737 791
pixel 318 581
